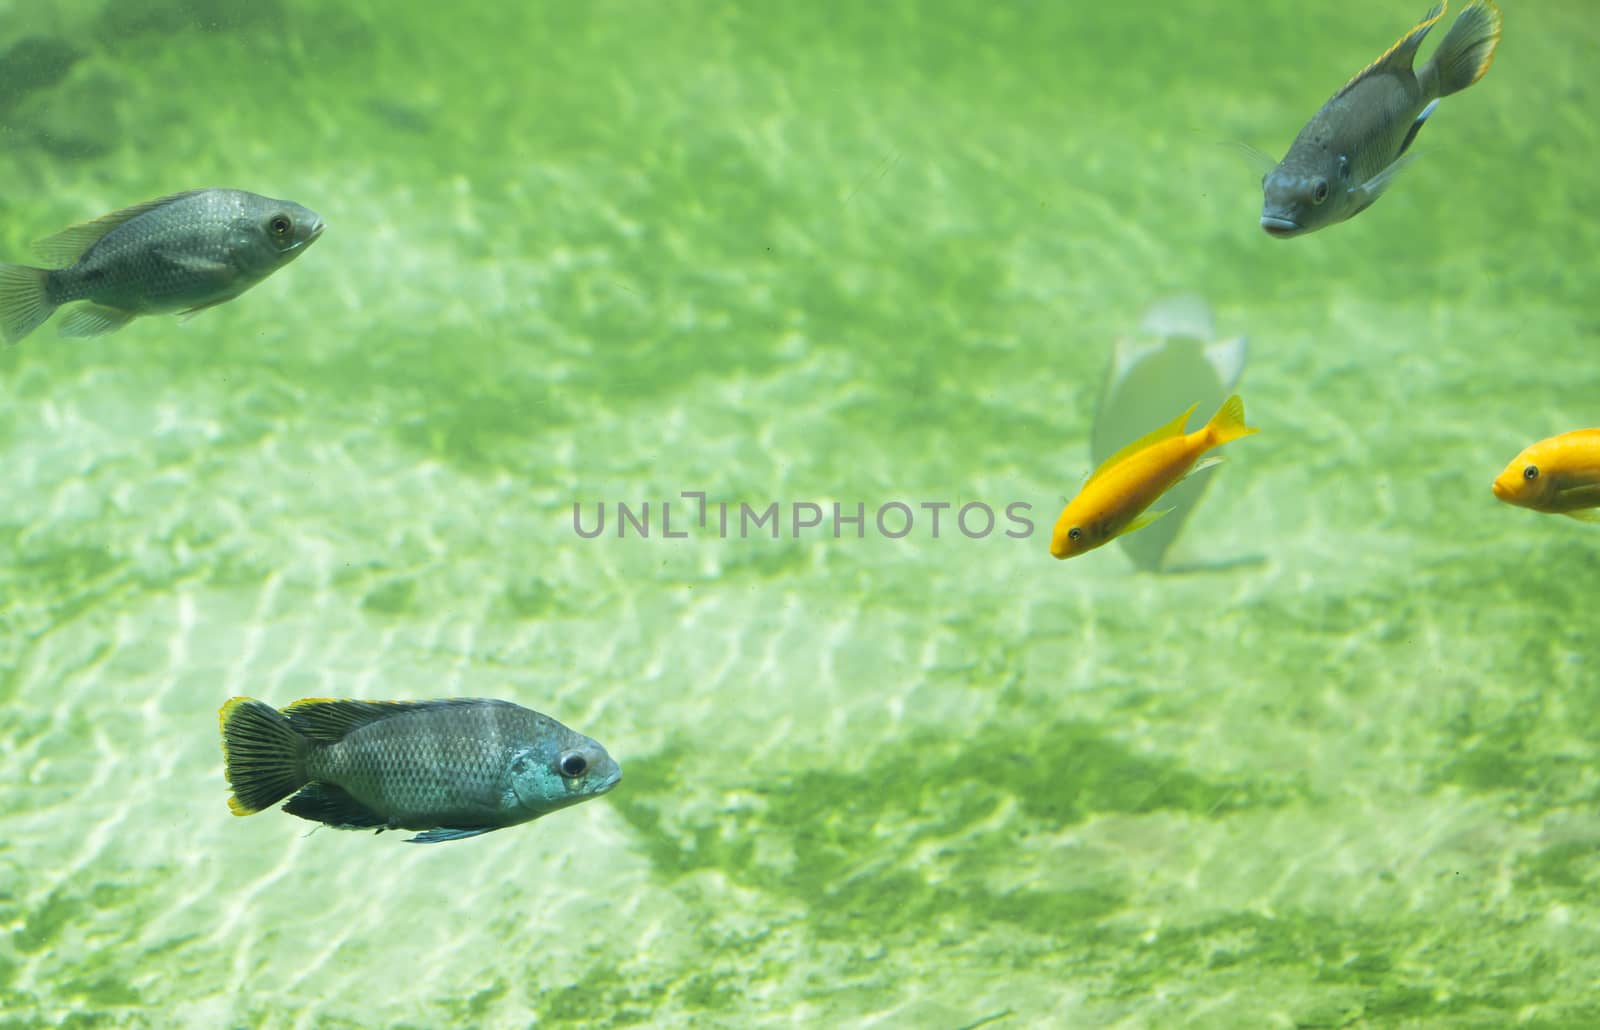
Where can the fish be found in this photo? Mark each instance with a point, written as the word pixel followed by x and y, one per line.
pixel 1352 148
pixel 1115 497
pixel 452 768
pixel 1560 476
pixel 1173 356
pixel 181 253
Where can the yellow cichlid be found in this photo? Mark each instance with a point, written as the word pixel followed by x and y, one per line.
pixel 1560 476
pixel 1113 500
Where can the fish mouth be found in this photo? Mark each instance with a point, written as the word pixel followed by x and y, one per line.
pixel 310 237
pixel 1501 490
pixel 1281 227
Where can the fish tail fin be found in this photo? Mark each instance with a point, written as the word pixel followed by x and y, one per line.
pixel 1228 423
pixel 263 755
pixel 24 300
pixel 1468 48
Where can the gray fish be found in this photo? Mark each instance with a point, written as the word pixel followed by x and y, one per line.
pixel 453 768
pixel 1350 151
pixel 180 253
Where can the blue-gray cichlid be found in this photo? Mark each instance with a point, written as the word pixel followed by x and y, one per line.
pixel 1350 151
pixel 180 253
pixel 452 768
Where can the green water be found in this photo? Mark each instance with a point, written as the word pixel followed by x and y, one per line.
pixel 812 252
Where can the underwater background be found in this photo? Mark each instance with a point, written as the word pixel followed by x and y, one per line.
pixel 1342 772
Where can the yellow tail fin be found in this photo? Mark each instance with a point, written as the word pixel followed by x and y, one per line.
pixel 1228 423
pixel 263 755
pixel 1468 48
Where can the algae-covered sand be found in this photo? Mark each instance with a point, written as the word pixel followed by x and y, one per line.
pixel 852 253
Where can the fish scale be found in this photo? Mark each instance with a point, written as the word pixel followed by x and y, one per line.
pixel 1348 154
pixel 453 768
pixel 136 265
pixel 1558 476
pixel 400 766
pixel 180 253
pixel 1116 497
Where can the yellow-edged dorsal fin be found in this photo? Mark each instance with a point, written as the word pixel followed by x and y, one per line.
pixel 1144 520
pixel 327 720
pixel 1404 52
pixel 1166 432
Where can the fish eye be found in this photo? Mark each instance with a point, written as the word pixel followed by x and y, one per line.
pixel 1530 473
pixel 280 225
pixel 520 766
pixel 573 765
pixel 1074 533
pixel 1319 192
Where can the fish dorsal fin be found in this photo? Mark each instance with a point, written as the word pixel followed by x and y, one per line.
pixel 1166 432
pixel 328 720
pixel 1403 53
pixel 69 244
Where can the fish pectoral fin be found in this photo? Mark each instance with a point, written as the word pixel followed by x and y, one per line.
pixel 200 266
pixel 1581 498
pixel 1227 357
pixel 1416 127
pixel 213 274
pixel 94 320
pixel 1257 159
pixel 1373 188
pixel 326 803
pixel 1144 520
pixel 1583 516
pixel 1202 465
pixel 444 833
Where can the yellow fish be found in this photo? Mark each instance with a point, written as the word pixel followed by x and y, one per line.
pixel 1560 475
pixel 1113 500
